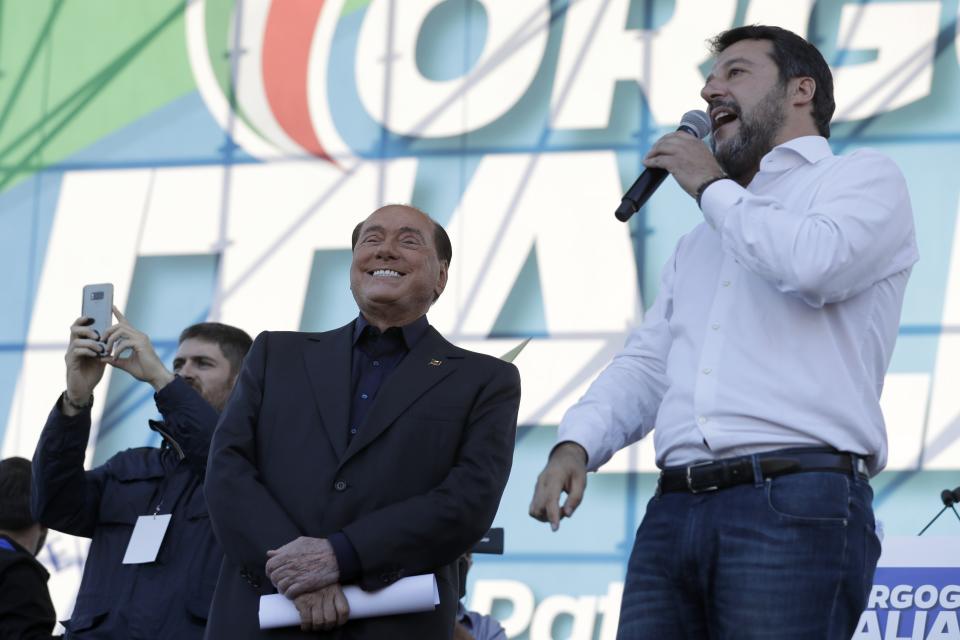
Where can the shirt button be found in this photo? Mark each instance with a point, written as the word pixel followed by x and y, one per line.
pixel 702 420
pixel 376 363
pixel 715 326
pixel 707 371
pixel 725 283
pixel 353 431
pixel 364 396
pixel 340 485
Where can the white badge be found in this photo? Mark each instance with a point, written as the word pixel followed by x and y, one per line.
pixel 146 539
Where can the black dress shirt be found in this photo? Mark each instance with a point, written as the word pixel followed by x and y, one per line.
pixel 375 356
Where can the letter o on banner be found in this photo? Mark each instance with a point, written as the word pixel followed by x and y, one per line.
pixel 400 98
pixel 925 597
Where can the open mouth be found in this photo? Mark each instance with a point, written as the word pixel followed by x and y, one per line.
pixel 721 116
pixel 385 273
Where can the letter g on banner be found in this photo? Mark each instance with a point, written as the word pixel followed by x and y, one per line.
pixel 398 96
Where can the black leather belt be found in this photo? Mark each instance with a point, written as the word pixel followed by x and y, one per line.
pixel 728 472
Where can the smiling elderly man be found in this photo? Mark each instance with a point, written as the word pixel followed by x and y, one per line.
pixel 361 455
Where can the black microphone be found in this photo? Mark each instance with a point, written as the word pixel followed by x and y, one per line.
pixel 697 124
pixel 947 497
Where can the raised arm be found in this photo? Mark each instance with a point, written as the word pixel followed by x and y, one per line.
pixel 64 496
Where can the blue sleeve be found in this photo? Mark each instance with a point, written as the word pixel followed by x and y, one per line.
pixel 189 419
pixel 64 496
pixel 485 627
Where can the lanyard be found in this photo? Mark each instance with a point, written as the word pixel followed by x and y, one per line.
pixel 160 495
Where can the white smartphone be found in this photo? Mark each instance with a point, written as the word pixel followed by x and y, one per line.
pixel 98 304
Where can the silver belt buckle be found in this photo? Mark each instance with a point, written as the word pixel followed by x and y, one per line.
pixel 690 478
pixel 861 466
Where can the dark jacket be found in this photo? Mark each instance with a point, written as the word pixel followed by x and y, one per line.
pixel 415 488
pixel 170 597
pixel 26 612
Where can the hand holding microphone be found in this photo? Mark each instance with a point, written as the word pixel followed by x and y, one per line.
pixel 682 154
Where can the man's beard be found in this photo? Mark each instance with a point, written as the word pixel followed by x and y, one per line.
pixel 740 156
pixel 216 397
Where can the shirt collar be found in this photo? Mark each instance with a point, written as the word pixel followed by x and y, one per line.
pixel 795 152
pixel 412 333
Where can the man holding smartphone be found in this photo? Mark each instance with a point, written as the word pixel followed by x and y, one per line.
pixel 153 560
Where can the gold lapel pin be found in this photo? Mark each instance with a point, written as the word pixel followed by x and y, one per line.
pixel 434 363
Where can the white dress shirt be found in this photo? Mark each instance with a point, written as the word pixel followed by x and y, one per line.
pixel 775 319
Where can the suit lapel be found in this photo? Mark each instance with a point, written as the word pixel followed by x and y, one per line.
pixel 327 357
pixel 422 368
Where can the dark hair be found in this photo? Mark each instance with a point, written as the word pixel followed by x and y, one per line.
pixel 232 341
pixel 15 494
pixel 441 241
pixel 795 58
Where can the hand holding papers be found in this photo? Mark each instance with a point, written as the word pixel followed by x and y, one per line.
pixel 408 595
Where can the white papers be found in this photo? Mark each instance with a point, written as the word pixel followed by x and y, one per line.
pixel 146 539
pixel 408 595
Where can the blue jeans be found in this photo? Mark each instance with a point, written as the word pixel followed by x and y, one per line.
pixel 787 558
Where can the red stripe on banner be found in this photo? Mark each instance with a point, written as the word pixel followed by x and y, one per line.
pixel 286 57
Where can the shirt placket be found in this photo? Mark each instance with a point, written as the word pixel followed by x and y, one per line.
pixel 709 367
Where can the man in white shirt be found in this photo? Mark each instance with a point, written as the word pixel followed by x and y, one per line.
pixel 760 364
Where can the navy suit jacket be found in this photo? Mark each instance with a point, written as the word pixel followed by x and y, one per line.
pixel 415 488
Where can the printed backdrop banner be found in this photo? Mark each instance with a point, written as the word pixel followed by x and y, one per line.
pixel 211 157
pixel 916 592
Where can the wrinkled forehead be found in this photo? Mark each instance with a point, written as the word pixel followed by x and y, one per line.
pixel 397 216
